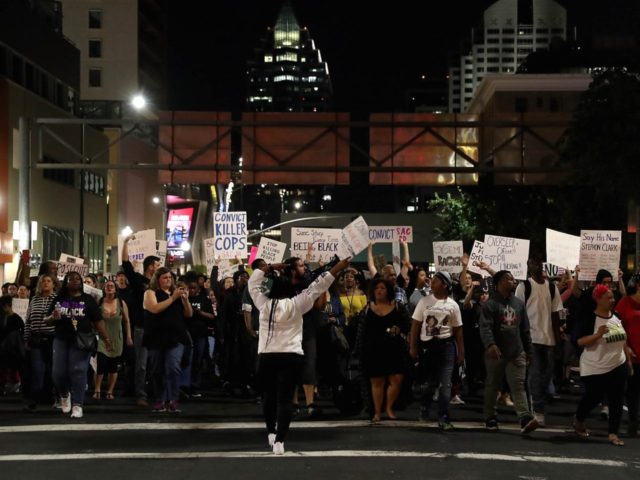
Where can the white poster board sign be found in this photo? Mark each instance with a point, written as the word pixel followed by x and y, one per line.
pixel 599 249
pixel 563 249
pixel 395 253
pixel 230 234
pixel 161 251
pixel 354 238
pixel 507 253
pixel 64 268
pixel 271 251
pixel 447 256
pixel 390 234
pixel 476 257
pixel 20 307
pixel 209 257
pixel 553 270
pixel 96 293
pixel 66 258
pixel 315 244
pixel 142 245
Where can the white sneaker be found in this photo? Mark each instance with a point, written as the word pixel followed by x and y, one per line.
pixel 271 438
pixel 76 411
pixel 540 418
pixel 456 400
pixel 65 404
pixel 278 448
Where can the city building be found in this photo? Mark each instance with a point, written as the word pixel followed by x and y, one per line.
pixel 40 78
pixel 509 32
pixel 287 73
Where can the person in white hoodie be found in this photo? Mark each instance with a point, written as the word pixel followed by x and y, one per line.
pixel 280 351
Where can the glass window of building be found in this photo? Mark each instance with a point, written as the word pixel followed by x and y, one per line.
pixel 94 252
pixel 95 77
pixel 56 241
pixel 95 48
pixel 510 31
pixel 95 18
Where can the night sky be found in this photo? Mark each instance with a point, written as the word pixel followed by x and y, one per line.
pixel 374 53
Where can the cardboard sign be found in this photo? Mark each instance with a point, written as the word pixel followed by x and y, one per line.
pixel 599 249
pixel 506 253
pixel 141 246
pixel 390 234
pixel 447 256
pixel 64 268
pixel 476 257
pixel 230 234
pixel 315 244
pixel 66 258
pixel 161 251
pixel 562 249
pixel 271 251
pixel 20 307
pixel 354 238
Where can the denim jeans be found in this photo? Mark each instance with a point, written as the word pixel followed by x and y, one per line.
pixel 40 359
pixel 437 359
pixel 540 374
pixel 191 374
pixel 69 370
pixel 140 375
pixel 165 372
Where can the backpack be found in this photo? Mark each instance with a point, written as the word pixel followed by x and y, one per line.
pixel 527 290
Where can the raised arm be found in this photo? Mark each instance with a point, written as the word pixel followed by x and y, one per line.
pixel 304 300
pixel 370 262
pixel 255 287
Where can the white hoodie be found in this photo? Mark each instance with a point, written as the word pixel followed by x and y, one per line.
pixel 286 334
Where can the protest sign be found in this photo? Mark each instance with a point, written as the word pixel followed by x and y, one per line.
pixel 390 234
pixel 230 234
pixel 395 253
pixel 506 253
pixel 161 251
pixel 209 257
pixel 563 249
pixel 447 256
pixel 142 245
pixel 96 293
pixel 599 249
pixel 20 307
pixel 476 257
pixel 66 258
pixel 253 254
pixel 354 238
pixel 315 244
pixel 553 270
pixel 64 268
pixel 271 251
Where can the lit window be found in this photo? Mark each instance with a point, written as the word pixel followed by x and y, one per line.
pixel 268 58
pixel 287 57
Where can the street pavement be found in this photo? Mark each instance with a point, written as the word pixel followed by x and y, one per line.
pixel 224 436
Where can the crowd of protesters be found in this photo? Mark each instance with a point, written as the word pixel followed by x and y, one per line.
pixel 373 339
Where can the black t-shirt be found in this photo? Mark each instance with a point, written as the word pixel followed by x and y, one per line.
pixel 199 325
pixel 76 313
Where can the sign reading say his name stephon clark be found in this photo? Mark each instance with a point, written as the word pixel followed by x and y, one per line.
pixel 599 249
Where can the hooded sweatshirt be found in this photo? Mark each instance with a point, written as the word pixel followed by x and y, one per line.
pixel 504 322
pixel 285 333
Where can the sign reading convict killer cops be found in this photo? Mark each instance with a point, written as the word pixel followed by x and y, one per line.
pixel 315 244
pixel 230 234
pixel 599 249
pixel 447 256
pixel 390 234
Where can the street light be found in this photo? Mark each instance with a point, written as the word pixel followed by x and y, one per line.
pixel 156 200
pixel 139 102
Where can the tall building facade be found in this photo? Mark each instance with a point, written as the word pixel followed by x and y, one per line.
pixel 510 31
pixel 287 73
pixel 123 52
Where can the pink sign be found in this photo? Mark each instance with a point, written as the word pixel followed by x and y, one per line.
pixel 253 254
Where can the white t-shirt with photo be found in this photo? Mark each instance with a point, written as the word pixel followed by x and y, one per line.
pixel 608 352
pixel 438 317
pixel 540 306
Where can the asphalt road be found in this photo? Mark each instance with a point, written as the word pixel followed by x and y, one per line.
pixel 224 437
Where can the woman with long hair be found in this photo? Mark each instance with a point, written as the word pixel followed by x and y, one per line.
pixel 38 340
pixel 75 315
pixel 115 314
pixel 280 351
pixel 165 335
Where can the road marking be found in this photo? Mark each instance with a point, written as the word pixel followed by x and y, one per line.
pixel 311 454
pixel 114 427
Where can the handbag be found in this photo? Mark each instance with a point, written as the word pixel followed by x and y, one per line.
pixel 338 340
pixel 86 341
